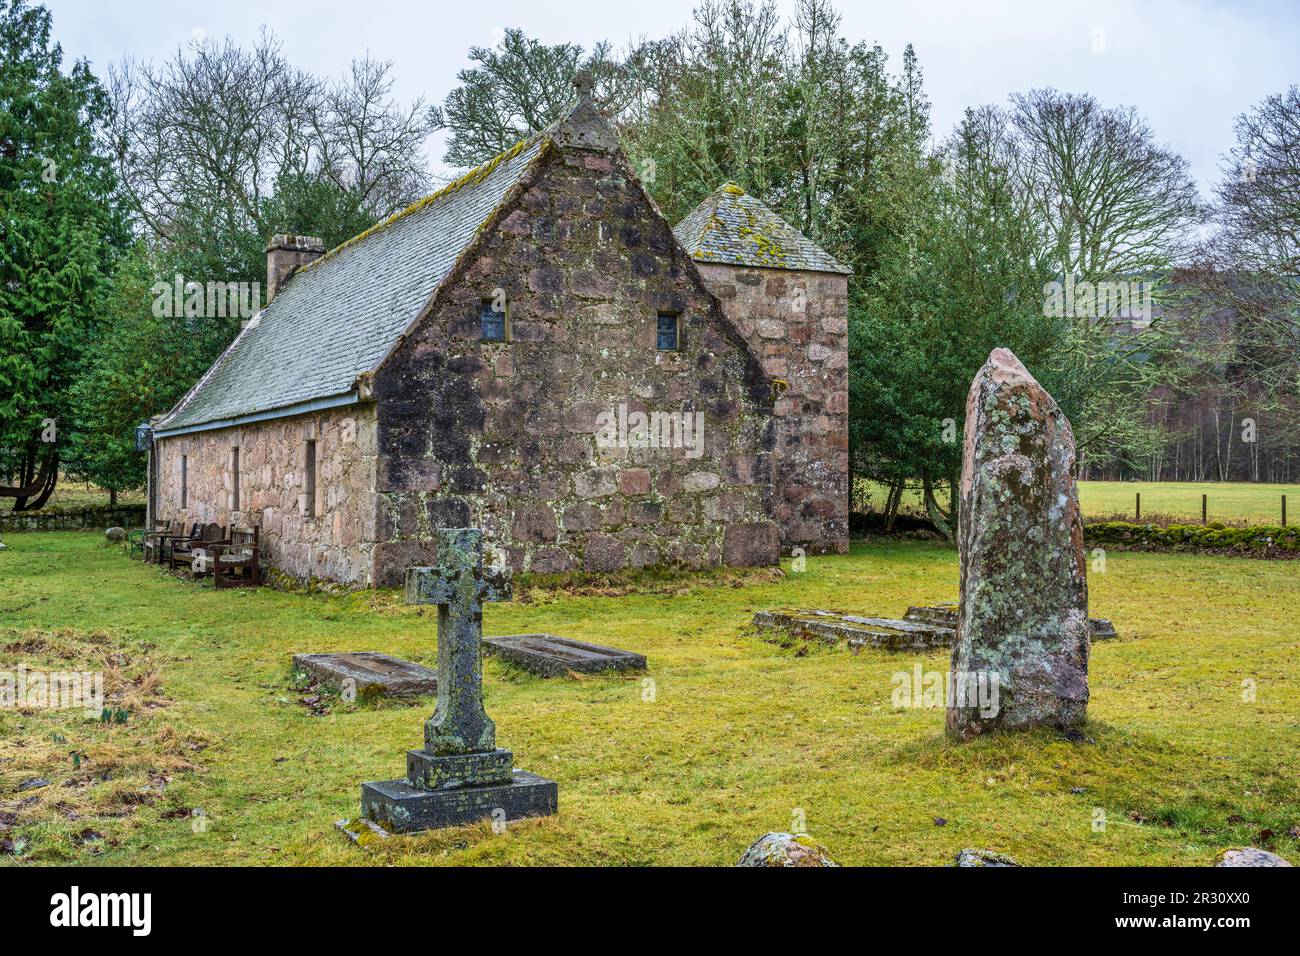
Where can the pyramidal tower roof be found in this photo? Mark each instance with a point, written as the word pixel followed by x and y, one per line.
pixel 734 228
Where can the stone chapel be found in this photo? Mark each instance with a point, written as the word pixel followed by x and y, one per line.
pixel 531 350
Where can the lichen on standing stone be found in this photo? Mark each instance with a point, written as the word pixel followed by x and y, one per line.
pixel 1023 618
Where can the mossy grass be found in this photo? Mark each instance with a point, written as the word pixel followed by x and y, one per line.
pixel 1191 747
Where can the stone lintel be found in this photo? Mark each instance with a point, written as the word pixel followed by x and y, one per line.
pixel 855 631
pixel 370 672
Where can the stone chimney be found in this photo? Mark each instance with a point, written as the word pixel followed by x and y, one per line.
pixel 285 255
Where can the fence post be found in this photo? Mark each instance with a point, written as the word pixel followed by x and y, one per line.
pixel 1284 511
pixel 1138 506
pixel 1204 508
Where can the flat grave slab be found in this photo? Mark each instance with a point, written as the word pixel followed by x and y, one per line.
pixel 1102 629
pixel 372 673
pixel 552 656
pixel 946 615
pixel 362 832
pixel 834 628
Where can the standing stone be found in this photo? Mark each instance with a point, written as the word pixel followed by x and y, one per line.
pixel 460 775
pixel 1023 616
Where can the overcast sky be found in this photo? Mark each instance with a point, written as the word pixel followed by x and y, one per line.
pixel 1189 67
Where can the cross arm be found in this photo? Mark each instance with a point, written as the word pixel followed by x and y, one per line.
pixel 428 586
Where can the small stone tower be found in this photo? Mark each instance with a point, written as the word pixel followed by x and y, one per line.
pixel 789 298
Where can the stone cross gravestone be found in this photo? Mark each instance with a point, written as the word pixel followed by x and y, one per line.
pixel 1022 627
pixel 460 776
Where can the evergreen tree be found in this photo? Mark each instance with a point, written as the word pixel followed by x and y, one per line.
pixel 58 236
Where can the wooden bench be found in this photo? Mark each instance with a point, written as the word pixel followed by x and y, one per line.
pixel 168 541
pixel 182 551
pixel 235 564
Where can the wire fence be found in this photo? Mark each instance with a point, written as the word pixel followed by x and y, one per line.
pixel 1231 505
pixel 1234 504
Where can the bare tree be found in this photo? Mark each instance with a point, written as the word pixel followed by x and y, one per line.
pixel 206 133
pixel 204 141
pixel 367 144
pixel 1253 262
pixel 1259 194
pixel 1111 200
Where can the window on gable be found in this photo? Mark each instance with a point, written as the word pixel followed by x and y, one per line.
pixel 669 338
pixel 185 481
pixel 493 320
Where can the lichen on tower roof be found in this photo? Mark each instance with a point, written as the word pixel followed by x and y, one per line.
pixel 731 226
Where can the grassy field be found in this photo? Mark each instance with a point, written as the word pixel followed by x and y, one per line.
pixel 732 738
pixel 1230 502
pixel 1227 501
pixel 73 495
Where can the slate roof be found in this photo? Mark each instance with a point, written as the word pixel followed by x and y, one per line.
pixel 732 227
pixel 337 317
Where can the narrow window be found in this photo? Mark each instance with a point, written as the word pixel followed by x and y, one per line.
pixel 669 339
pixel 493 320
pixel 234 479
pixel 185 482
pixel 309 479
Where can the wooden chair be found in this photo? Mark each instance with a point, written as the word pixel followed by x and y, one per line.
pixel 150 539
pixel 182 552
pixel 168 541
pixel 235 565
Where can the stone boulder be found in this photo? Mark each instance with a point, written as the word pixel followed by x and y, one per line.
pixel 1020 658
pixel 1250 856
pixel 969 857
pixel 786 849
pixel 116 535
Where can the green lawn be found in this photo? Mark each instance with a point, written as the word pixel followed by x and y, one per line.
pixel 735 737
pixel 1230 502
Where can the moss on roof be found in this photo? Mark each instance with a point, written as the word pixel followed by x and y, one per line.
pixel 731 226
pixel 471 178
pixel 338 317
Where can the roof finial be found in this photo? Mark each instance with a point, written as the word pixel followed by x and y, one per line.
pixel 583 83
